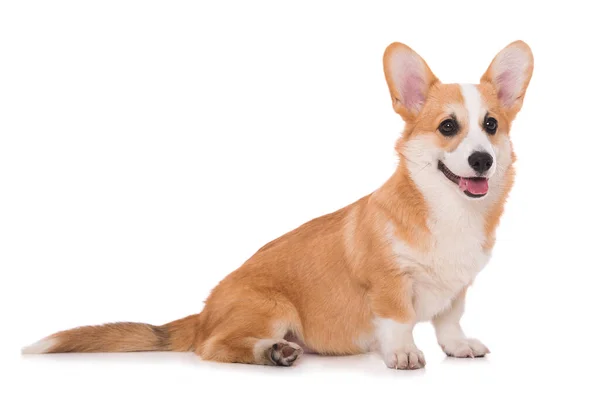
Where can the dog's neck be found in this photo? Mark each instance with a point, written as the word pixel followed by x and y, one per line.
pixel 417 201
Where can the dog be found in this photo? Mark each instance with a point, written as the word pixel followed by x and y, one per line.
pixel 360 278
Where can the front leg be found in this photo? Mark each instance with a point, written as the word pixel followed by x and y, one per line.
pixel 394 323
pixel 450 335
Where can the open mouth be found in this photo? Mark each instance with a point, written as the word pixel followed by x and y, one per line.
pixel 472 187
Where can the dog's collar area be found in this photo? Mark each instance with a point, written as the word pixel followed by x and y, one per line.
pixel 471 187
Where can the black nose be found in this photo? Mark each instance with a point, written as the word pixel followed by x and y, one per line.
pixel 481 161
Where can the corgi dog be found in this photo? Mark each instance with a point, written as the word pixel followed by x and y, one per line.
pixel 360 278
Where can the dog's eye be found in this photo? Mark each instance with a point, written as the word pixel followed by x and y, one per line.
pixel 490 125
pixel 448 127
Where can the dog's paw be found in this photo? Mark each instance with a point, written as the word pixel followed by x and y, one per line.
pixel 409 357
pixel 464 348
pixel 284 353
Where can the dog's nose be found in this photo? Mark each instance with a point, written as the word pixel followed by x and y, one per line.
pixel 481 161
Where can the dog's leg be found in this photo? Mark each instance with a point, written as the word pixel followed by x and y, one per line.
pixel 397 345
pixel 450 335
pixel 250 350
pixel 251 331
pixel 391 299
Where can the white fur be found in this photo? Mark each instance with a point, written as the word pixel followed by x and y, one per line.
pixel 280 328
pixel 447 324
pixel 391 334
pixel 450 264
pixel 450 335
pixel 397 345
pixel 366 342
pixel 40 347
pixel 455 253
pixel 475 140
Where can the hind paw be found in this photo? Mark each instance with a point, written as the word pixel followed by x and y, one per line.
pixel 283 353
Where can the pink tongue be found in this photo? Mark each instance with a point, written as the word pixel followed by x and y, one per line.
pixel 474 186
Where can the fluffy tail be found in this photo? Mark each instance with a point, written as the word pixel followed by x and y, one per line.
pixel 121 337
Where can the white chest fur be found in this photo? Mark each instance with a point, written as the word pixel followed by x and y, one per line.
pixel 452 259
pixel 455 252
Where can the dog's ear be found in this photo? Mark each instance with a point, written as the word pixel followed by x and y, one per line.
pixel 408 78
pixel 509 73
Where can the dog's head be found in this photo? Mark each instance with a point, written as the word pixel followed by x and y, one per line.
pixel 456 136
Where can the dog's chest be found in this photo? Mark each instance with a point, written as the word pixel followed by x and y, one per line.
pixel 452 259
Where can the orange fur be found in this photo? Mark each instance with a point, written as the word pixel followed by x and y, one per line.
pixel 323 283
pixel 126 337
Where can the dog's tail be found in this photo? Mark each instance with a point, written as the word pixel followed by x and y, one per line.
pixel 119 337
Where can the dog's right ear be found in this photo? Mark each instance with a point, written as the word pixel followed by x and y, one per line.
pixel 408 78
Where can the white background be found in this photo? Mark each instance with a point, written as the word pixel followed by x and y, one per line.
pixel 149 148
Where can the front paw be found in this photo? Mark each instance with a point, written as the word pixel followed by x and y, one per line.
pixel 409 357
pixel 464 348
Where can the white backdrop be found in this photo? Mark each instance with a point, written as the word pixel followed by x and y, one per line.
pixel 149 148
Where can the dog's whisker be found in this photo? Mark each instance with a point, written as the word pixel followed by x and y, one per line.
pixel 417 164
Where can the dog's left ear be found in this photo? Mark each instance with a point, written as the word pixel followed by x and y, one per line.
pixel 509 73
